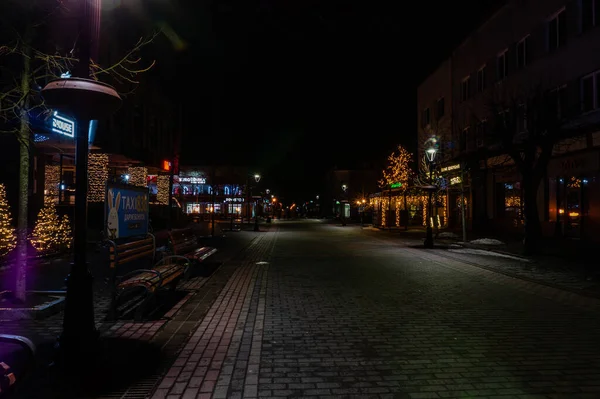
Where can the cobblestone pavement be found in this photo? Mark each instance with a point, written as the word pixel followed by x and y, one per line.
pixel 318 311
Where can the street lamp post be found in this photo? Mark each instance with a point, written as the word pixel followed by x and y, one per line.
pixel 257 179
pixel 86 100
pixel 430 153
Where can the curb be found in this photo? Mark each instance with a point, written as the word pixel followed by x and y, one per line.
pixel 499 251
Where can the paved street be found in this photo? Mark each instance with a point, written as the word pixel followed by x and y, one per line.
pixel 318 310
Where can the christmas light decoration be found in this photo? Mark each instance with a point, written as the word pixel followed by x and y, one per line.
pixel 162 185
pixel 8 239
pixel 51 180
pixel 138 175
pixel 98 176
pixel 51 234
pixel 398 169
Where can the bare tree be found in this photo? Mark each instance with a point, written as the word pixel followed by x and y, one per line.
pixel 29 60
pixel 526 126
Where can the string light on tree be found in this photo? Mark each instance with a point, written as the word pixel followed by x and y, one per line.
pixel 51 180
pixel 162 185
pixel 8 239
pixel 51 234
pixel 398 169
pixel 98 176
pixel 138 175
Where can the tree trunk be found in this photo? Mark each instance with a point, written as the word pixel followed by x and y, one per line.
pixel 405 211
pixel 24 143
pixel 533 227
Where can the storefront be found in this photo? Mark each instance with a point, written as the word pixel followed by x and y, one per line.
pixel 449 202
pixel 194 194
pixel 574 195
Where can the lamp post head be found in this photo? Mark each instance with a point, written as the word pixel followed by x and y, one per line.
pixel 430 152
pixel 257 177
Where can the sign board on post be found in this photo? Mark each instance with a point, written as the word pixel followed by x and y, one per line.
pixel 63 125
pixel 125 211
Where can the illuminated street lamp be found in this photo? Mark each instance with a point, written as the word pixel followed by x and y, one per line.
pixel 257 179
pixel 430 152
pixel 87 100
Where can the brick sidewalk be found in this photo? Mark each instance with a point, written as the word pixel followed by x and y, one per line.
pixel 156 331
pixel 222 357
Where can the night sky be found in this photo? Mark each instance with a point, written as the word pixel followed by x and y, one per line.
pixel 293 88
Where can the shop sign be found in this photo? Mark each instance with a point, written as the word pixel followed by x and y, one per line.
pixel 62 125
pixel 234 200
pixel 455 180
pixel 125 211
pixel 396 185
pixel 574 165
pixel 450 168
pixel 193 180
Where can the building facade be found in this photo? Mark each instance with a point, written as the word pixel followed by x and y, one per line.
pixel 545 46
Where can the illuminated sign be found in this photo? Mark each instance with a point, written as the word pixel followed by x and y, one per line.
pixel 193 180
pixel 450 168
pixel 166 165
pixel 455 180
pixel 62 125
pixel 234 200
pixel 396 185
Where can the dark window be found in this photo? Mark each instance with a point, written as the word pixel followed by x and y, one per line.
pixel 557 31
pixel 440 107
pixel 587 93
pixel 522 53
pixel 463 139
pixel 562 102
pixel 426 117
pixel 590 14
pixel 465 89
pixel 502 66
pixel 481 80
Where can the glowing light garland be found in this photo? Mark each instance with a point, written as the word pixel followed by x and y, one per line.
pixel 8 240
pixel 51 180
pixel 162 185
pixel 97 177
pixel 138 175
pixel 51 234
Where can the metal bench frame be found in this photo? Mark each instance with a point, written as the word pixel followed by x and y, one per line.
pixel 121 253
pixel 5 369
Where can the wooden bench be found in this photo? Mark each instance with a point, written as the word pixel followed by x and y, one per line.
pixel 184 247
pixel 141 281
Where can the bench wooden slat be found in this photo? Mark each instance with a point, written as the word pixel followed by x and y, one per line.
pixel 132 244
pixel 131 254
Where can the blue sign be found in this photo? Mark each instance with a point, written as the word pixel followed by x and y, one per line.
pixel 125 211
pixel 62 125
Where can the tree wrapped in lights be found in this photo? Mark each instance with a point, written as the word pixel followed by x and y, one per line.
pixel 8 239
pixel 138 175
pixel 51 234
pixel 98 176
pixel 397 173
pixel 398 169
